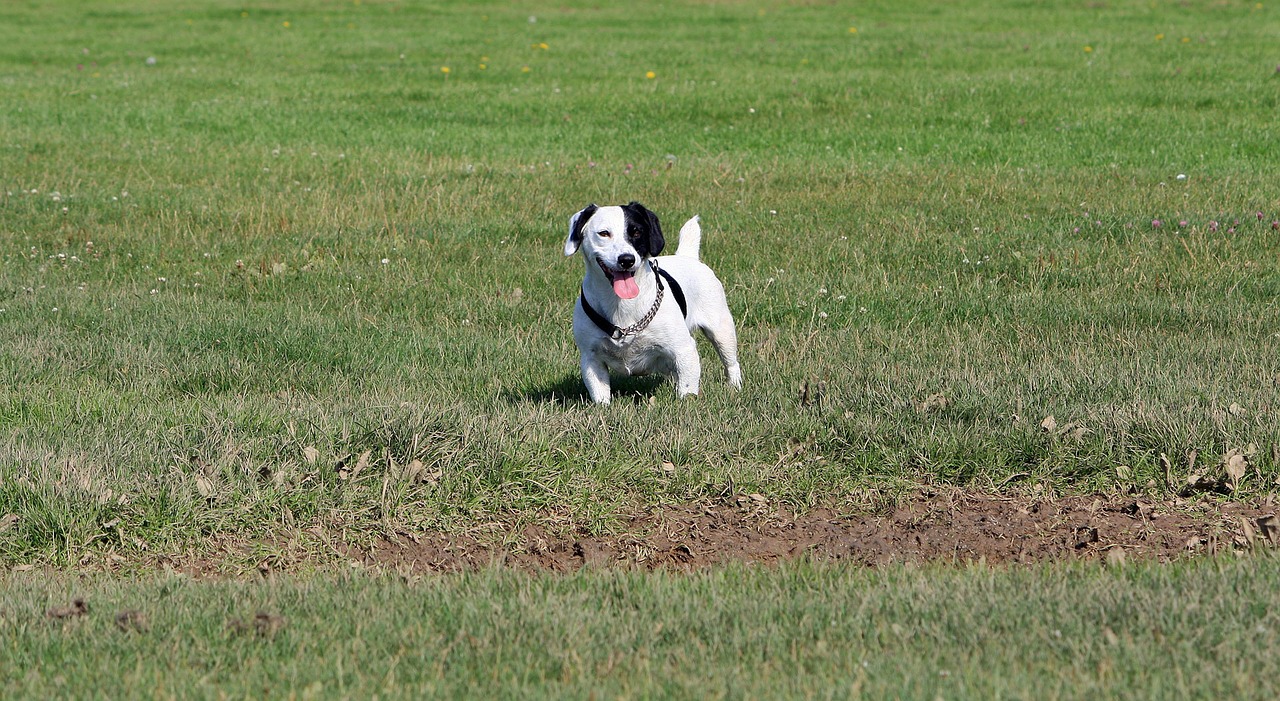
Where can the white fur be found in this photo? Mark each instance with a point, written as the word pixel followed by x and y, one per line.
pixel 667 345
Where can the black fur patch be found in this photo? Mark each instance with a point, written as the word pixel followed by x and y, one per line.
pixel 643 230
pixel 575 234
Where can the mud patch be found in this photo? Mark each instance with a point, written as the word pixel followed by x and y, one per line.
pixel 953 528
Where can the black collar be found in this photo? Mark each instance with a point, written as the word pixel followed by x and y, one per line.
pixel 610 328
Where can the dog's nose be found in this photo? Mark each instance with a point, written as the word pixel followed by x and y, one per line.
pixel 626 260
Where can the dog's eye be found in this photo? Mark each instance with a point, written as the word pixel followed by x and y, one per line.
pixel 605 234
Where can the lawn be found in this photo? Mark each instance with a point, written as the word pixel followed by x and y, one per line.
pixel 1203 630
pixel 269 271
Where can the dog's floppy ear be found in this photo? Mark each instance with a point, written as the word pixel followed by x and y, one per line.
pixel 649 240
pixel 576 222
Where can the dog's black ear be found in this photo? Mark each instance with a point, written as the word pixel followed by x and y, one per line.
pixel 643 230
pixel 576 222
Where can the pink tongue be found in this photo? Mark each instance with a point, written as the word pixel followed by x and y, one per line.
pixel 624 285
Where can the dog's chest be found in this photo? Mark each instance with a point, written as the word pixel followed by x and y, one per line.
pixel 639 355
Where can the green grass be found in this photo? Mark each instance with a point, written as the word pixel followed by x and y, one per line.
pixel 293 240
pixel 277 248
pixel 1203 630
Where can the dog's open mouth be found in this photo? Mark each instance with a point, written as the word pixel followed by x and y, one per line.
pixel 623 281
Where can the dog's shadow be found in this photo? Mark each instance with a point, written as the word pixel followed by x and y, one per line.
pixel 569 390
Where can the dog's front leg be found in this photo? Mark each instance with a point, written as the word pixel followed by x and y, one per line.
pixel 596 377
pixel 688 369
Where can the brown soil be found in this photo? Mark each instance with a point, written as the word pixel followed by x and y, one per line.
pixel 946 528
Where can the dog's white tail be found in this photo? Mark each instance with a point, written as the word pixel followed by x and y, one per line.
pixel 690 239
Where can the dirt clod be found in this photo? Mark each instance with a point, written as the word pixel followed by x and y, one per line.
pixel 77 608
pixel 263 624
pixel 132 621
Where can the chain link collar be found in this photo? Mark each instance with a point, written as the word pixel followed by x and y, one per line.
pixel 612 329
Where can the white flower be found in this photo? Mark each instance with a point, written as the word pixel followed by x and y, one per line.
pixel 386 261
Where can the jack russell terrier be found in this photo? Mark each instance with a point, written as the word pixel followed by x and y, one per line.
pixel 637 311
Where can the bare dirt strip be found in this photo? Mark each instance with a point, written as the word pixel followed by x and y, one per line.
pixel 935 528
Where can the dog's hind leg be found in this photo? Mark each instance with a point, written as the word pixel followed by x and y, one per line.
pixel 724 338
pixel 596 377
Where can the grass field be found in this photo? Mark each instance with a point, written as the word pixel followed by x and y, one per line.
pixel 1207 630
pixel 268 269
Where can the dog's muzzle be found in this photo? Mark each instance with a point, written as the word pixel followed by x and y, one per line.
pixel 623 281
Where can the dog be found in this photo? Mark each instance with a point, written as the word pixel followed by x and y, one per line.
pixel 637 310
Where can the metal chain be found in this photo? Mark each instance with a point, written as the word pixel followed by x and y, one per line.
pixel 653 311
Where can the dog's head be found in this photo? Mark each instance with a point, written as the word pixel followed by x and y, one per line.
pixel 618 240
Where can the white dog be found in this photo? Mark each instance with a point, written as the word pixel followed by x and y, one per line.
pixel 637 311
